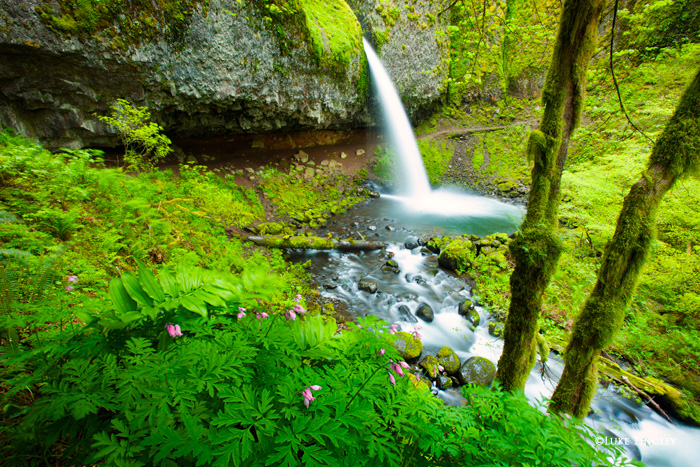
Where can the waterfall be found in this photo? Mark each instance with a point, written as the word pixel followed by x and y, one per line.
pixel 413 179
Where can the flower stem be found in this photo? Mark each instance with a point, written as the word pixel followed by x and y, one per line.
pixel 362 387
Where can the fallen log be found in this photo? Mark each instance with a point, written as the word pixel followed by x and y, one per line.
pixel 313 243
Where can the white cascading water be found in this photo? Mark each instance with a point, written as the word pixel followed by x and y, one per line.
pixel 399 130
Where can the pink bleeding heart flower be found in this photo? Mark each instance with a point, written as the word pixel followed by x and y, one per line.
pixel 173 330
pixel 391 378
pixel 298 298
pixel 299 309
pixel 393 328
pixel 396 367
pixel 73 279
pixel 441 368
pixel 291 315
pixel 308 396
pixel 381 351
pixel 404 365
pixel 241 313
pixel 69 288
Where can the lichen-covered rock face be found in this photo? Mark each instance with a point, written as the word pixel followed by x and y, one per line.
pixel 477 370
pixel 227 71
pixel 408 346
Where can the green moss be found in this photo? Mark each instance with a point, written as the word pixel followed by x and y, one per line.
pixel 457 255
pixel 336 34
pixel 448 359
pixel 436 156
pixel 408 346
pixel 122 22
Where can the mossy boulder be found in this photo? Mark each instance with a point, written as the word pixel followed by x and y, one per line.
pixel 425 312
pixel 408 346
pixel 449 360
pixel 458 255
pixel 464 307
pixel 429 364
pixel 436 244
pixel 444 382
pixel 477 370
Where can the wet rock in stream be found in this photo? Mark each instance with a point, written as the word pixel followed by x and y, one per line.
pixel 406 315
pixel 367 285
pixel 425 312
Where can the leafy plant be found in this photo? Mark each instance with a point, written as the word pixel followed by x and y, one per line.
pixel 144 143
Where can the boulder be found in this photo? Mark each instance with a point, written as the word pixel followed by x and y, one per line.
pixel 477 370
pixel 449 360
pixel 367 285
pixel 458 255
pixel 464 307
pixel 444 382
pixel 406 315
pixel 429 364
pixel 408 346
pixel 425 312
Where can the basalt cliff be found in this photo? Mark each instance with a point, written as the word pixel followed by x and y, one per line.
pixel 211 67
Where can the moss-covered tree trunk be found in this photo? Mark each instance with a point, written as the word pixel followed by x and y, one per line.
pixel 677 153
pixel 537 248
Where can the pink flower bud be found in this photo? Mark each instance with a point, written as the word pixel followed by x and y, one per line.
pixel 298 309
pixel 381 351
pixel 391 378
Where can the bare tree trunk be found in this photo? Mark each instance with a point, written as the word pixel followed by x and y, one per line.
pixel 537 249
pixel 677 153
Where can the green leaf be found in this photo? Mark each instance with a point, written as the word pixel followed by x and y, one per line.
pixel 84 316
pixel 195 305
pixel 169 284
pixel 133 287
pixel 112 324
pixel 149 283
pixel 120 297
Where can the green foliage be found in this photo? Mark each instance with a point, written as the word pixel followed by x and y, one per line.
pixel 649 27
pixel 229 392
pixel 494 44
pixel 144 143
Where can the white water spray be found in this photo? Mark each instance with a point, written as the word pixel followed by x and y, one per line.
pixel 400 132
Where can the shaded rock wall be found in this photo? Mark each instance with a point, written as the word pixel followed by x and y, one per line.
pixel 226 73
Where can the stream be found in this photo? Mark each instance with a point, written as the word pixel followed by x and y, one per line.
pixel 400 221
